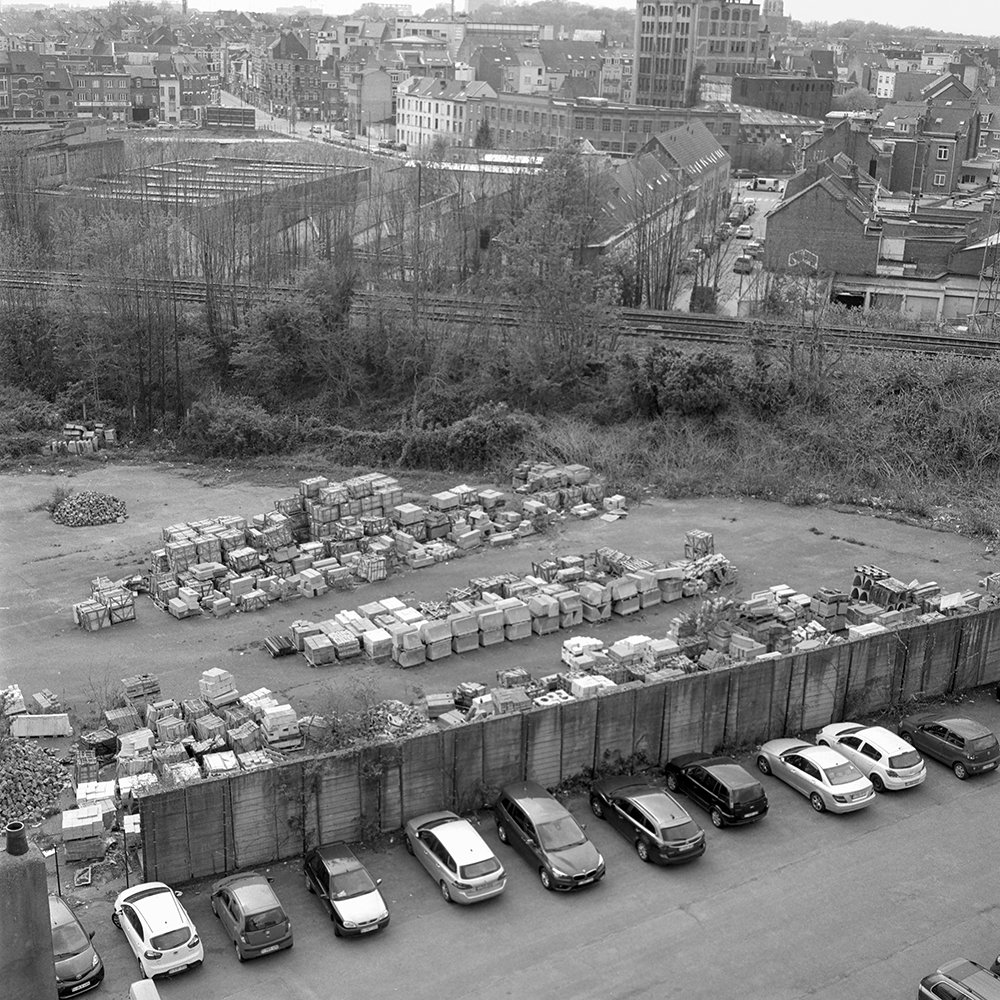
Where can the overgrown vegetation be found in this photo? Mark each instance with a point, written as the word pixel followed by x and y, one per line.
pixel 385 378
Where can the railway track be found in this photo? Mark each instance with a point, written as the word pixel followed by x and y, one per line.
pixel 459 312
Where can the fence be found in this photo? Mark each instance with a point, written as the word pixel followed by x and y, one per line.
pixel 253 818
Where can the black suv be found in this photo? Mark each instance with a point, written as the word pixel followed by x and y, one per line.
pixel 731 794
pixel 545 832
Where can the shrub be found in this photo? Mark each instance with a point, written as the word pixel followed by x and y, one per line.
pixel 225 426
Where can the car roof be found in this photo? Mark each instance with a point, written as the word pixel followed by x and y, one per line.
pixel 665 810
pixel 730 773
pixel 535 801
pixel 878 735
pixel 339 858
pixel 158 909
pixel 968 728
pixel 974 977
pixel 823 756
pixel 255 894
pixel 60 912
pixel 462 842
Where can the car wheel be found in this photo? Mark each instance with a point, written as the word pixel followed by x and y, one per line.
pixel 116 920
pixel 762 765
pixel 716 818
pixel 907 737
pixel 960 771
pixel 816 801
pixel 502 834
pixel 409 846
pixel 545 878
pixel 642 849
pixel 309 884
pixel 877 783
pixel 239 954
pixel 595 807
pixel 445 892
pixel 336 929
pixel 142 971
pixel 215 912
pixel 672 782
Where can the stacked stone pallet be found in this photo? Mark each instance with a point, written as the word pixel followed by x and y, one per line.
pixel 83 833
pixel 218 687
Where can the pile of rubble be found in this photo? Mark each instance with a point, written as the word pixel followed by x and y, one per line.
pixel 31 780
pixel 88 508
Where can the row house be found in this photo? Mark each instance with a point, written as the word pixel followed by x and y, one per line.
pixel 616 74
pixel 429 108
pixel 368 92
pixel 103 94
pixel 34 86
pixel 291 79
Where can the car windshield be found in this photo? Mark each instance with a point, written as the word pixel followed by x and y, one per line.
pixel 480 868
pixel 352 883
pixel 172 939
pixel 748 793
pixel 984 743
pixel 561 833
pixel 841 774
pixel 269 918
pixel 68 940
pixel 681 831
pixel 909 759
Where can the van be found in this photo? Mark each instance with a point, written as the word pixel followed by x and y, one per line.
pixel 765 184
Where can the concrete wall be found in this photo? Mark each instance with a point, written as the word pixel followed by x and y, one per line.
pixel 257 817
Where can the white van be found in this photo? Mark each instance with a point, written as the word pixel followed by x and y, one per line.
pixel 145 989
pixel 765 184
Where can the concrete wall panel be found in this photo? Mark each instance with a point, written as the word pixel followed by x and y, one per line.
pixel 422 778
pixel 820 698
pixel 210 828
pixel 615 721
pixel 647 728
pixel 338 800
pixel 750 689
pixel 254 833
pixel 544 763
pixel 579 726
pixel 503 755
pixel 687 708
pixel 716 707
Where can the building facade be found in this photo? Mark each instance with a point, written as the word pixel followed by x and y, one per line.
pixel 675 43
pixel 794 95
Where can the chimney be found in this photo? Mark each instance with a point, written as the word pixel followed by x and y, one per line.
pixel 27 968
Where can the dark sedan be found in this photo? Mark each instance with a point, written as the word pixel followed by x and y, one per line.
pixel 967 747
pixel 730 793
pixel 656 823
pixel 78 966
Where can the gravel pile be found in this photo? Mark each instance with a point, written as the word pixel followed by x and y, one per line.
pixel 30 780
pixel 83 509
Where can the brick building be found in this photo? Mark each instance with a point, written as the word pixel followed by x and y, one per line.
pixel 796 95
pixel 34 86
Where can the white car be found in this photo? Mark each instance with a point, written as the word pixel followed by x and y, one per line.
pixel 886 759
pixel 455 856
pixel 828 779
pixel 161 935
pixel 744 233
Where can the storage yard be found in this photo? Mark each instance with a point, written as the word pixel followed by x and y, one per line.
pixel 662 628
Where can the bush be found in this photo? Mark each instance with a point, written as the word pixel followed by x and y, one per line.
pixel 22 445
pixel 225 426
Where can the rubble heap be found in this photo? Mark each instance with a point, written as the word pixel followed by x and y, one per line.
pixel 88 508
pixel 30 780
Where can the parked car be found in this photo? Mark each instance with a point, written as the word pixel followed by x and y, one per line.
pixel 744 232
pixel 162 936
pixel 315 129
pixel 729 792
pixel 401 146
pixel 252 915
pixel 350 136
pixel 743 264
pixel 455 856
pixel 707 244
pixel 78 966
pixel 887 760
pixel 961 979
pixel 386 144
pixel 724 231
pixel 828 779
pixel 750 204
pixel 546 833
pixel 661 829
pixel 754 249
pixel 964 745
pixel 346 890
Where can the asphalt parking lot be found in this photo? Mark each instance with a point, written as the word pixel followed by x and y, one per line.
pixel 798 905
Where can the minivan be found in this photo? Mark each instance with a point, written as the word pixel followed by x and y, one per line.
pixel 547 835
pixel 765 184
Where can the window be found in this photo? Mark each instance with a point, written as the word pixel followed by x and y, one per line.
pixel 939 180
pixel 943 152
pixel 605 124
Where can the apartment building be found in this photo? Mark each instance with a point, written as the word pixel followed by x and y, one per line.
pixel 34 86
pixel 676 43
pixel 428 108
